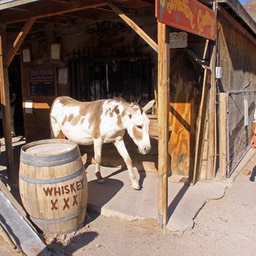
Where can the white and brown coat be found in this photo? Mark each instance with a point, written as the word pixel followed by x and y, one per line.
pixel 102 121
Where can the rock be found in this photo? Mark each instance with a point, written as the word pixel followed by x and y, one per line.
pixel 247 172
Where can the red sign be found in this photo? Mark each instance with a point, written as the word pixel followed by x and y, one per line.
pixel 187 15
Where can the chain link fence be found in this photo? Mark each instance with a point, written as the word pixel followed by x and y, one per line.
pixel 240 110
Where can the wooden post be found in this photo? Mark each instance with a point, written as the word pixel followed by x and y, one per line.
pixel 200 129
pixel 5 61
pixel 5 104
pixel 163 121
pixel 201 121
pixel 212 120
pixel 222 134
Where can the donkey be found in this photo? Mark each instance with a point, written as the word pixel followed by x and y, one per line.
pixel 103 121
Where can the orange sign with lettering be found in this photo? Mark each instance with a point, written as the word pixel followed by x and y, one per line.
pixel 187 15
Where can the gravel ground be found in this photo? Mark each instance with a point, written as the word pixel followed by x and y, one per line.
pixel 225 226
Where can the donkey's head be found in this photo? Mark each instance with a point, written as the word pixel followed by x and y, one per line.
pixel 138 126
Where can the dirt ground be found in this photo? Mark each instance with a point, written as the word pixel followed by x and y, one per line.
pixel 225 226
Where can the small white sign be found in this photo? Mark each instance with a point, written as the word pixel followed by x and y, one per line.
pixel 246 115
pixel 55 51
pixel 29 107
pixel 63 76
pixel 178 40
pixel 26 55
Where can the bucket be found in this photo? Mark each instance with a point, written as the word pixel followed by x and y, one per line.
pixel 53 185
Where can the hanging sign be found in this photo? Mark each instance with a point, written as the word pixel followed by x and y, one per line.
pixel 187 15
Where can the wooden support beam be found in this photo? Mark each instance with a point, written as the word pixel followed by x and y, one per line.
pixel 201 121
pixel 18 41
pixel 5 105
pixel 222 120
pixel 200 129
pixel 134 26
pixel 163 122
pixel 5 61
pixel 211 165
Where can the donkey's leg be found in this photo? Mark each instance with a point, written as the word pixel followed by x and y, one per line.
pixel 97 145
pixel 55 129
pixel 127 159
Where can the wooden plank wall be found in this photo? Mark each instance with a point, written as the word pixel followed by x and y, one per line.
pixel 186 79
pixel 236 54
pixel 237 51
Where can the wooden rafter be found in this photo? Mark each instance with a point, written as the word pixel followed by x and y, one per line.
pixel 18 42
pixel 135 27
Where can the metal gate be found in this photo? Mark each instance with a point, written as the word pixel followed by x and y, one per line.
pixel 240 110
pixel 106 73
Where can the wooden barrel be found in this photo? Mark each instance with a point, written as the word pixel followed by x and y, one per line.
pixel 53 185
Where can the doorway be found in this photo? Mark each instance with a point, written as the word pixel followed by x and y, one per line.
pixel 99 74
pixel 15 80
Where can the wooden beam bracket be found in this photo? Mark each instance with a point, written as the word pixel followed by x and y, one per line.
pixel 134 26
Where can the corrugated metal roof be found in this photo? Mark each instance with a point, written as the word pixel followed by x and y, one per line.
pixel 239 12
pixel 5 4
pixel 14 11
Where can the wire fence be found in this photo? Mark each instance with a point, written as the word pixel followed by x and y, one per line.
pixel 240 110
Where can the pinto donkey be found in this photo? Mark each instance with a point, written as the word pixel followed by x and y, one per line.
pixel 103 121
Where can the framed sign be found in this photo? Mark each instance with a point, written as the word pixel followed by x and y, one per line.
pixel 246 112
pixel 26 55
pixel 55 51
pixel 42 81
pixel 63 76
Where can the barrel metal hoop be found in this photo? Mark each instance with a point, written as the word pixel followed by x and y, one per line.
pixel 52 181
pixel 69 217
pixel 48 161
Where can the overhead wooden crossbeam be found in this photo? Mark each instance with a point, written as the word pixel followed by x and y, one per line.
pixel 134 26
pixel 18 41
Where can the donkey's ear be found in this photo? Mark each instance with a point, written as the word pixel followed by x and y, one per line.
pixel 149 105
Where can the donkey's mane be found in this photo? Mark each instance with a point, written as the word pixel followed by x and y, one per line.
pixel 128 106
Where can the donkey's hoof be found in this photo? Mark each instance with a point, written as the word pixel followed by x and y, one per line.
pixel 100 180
pixel 135 185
